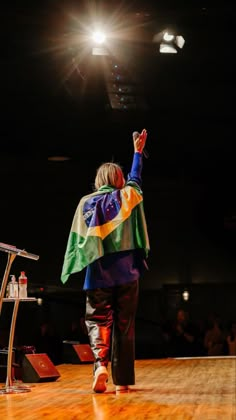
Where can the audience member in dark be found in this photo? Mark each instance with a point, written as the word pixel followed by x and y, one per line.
pixel 231 339
pixel 184 340
pixel 214 340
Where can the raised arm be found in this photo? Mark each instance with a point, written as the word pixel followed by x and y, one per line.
pixel 139 141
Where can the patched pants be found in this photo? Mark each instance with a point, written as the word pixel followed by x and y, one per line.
pixel 110 320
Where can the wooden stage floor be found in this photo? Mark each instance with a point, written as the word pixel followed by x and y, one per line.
pixel 195 388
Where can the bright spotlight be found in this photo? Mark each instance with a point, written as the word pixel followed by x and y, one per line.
pixel 99 37
pixel 185 295
pixel 180 41
pixel 168 37
pixel 170 43
pixel 167 49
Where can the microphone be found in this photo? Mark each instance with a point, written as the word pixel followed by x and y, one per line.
pixel 136 134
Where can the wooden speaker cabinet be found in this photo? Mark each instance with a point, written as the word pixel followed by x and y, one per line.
pixel 76 353
pixel 38 368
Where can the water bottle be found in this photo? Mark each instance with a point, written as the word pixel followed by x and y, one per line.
pixel 22 285
pixel 13 287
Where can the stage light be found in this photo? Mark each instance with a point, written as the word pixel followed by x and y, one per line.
pixel 58 158
pixel 180 41
pixel 167 49
pixel 185 295
pixel 99 51
pixel 99 37
pixel 170 43
pixel 168 37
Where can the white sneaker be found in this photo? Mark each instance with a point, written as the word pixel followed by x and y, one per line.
pixel 122 388
pixel 100 379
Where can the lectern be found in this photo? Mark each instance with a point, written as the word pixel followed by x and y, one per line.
pixel 12 251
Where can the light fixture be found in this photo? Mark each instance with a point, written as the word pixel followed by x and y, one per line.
pixel 58 158
pixel 185 295
pixel 40 301
pixel 167 49
pixel 180 41
pixel 99 51
pixel 99 37
pixel 170 43
pixel 168 37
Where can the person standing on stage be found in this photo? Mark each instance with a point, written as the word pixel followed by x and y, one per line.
pixel 109 237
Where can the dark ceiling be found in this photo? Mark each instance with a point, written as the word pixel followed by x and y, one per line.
pixel 56 100
pixel 56 96
pixel 54 89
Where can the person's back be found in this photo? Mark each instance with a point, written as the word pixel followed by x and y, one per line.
pixel 109 239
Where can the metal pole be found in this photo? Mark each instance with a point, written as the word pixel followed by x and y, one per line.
pixel 10 260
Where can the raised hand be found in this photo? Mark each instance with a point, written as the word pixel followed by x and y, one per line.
pixel 140 141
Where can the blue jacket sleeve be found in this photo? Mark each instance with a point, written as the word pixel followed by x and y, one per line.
pixel 136 169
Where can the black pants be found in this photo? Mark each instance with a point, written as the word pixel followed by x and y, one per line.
pixel 110 320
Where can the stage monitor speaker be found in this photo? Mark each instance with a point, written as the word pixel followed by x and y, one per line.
pixel 77 353
pixel 38 368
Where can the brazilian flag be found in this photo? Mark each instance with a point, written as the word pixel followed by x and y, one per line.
pixel 106 221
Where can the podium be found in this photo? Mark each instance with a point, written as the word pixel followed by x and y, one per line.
pixel 10 387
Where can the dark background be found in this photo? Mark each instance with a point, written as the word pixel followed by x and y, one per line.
pixel 55 100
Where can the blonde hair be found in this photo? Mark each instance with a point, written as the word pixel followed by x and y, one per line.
pixel 109 174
